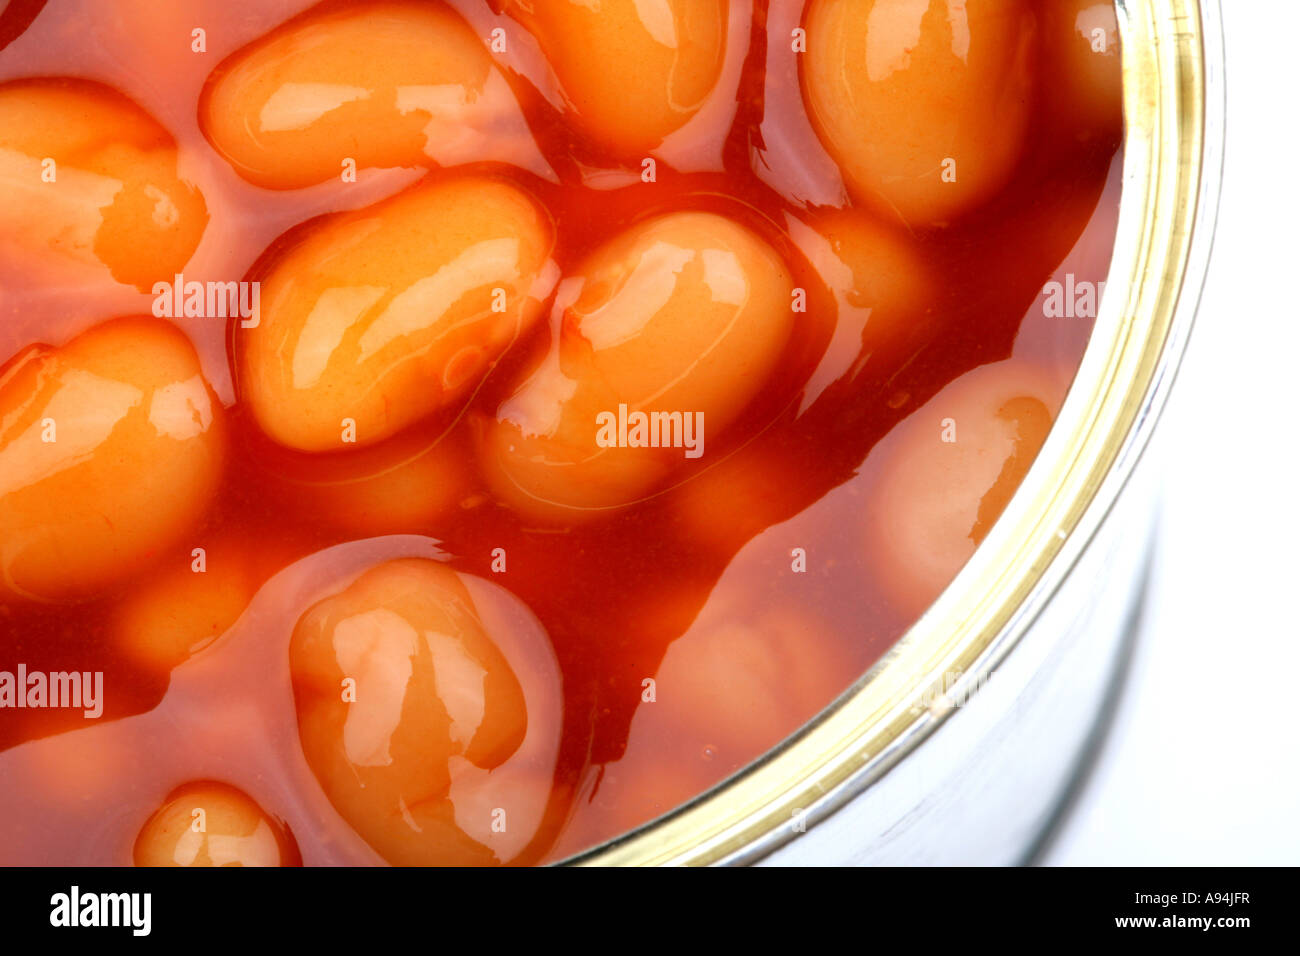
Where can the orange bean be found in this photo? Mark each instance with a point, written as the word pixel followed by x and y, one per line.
pixel 383 316
pixel 401 486
pixel 382 84
pixel 684 315
pixel 111 447
pixel 948 471
pixel 739 682
pixel 881 285
pixel 730 688
pixel 90 185
pixel 1086 80
pixel 213 824
pixel 189 600
pixel 924 104
pixel 406 708
pixel 632 72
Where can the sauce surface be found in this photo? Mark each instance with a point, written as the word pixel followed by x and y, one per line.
pixel 706 608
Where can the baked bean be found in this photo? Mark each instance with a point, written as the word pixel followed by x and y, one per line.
pixel 631 72
pixel 948 471
pixel 407 709
pixel 381 84
pixel 111 448
pixel 213 824
pixel 90 185
pixel 925 103
pixel 681 320
pixel 380 317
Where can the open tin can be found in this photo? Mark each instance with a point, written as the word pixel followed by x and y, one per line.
pixel 962 744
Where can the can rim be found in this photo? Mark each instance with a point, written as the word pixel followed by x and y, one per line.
pixel 1174 105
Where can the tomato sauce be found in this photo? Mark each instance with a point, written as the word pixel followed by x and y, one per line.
pixel 761 546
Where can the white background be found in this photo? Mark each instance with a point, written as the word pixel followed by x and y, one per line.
pixel 1203 763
